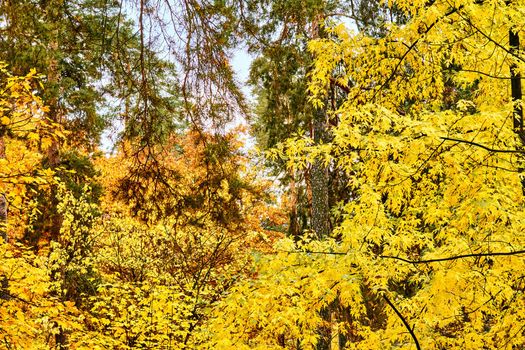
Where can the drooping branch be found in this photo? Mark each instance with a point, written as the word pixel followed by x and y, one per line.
pixel 490 39
pixel 488 75
pixel 405 323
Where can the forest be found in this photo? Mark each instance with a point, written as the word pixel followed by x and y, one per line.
pixel 364 188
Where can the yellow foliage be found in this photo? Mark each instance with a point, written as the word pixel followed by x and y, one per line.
pixel 430 247
pixel 435 226
pixel 26 134
pixel 30 316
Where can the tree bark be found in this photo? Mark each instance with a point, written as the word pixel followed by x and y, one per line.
pixel 53 152
pixel 319 179
pixel 516 96
pixel 3 199
pixel 515 83
pixel 319 182
pixel 293 229
pixel 325 331
pixel 319 176
pixel 4 283
pixel 321 214
pixel 54 109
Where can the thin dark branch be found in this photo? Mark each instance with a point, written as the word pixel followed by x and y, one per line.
pixel 411 47
pixel 483 146
pixel 485 74
pixel 486 36
pixel 456 257
pixel 4 294
pixel 449 258
pixel 410 330
pixel 311 252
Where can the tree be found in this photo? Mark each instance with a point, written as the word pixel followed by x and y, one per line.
pixel 140 274
pixel 431 245
pixel 278 33
pixel 30 316
pixel 175 252
pixel 279 77
pixel 87 51
pixel 25 135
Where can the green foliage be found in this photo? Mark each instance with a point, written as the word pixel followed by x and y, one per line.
pixel 87 49
pixel 77 172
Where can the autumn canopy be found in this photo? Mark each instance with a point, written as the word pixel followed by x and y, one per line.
pixel 378 203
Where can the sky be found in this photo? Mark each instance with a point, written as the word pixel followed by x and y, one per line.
pixel 241 64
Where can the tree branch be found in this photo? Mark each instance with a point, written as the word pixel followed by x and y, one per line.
pixel 412 46
pixel 482 146
pixel 449 258
pixel 410 330
pixel 486 36
pixel 485 74
pixel 456 257
pixel 339 85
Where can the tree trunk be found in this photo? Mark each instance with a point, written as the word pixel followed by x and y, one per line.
pixel 319 182
pixel 515 84
pixel 4 283
pixel 319 176
pixel 325 331
pixel 516 96
pixel 54 109
pixel 3 199
pixel 293 229
pixel 321 215
pixel 53 153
